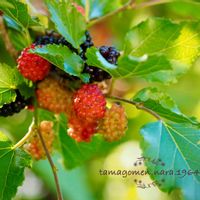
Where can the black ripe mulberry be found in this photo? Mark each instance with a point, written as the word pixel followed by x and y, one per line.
pixel 97 74
pixel 54 38
pixel 110 54
pixel 88 42
pixel 14 107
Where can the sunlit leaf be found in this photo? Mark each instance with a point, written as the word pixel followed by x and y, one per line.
pixel 179 43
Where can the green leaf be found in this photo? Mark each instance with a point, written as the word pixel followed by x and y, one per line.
pixel 17 39
pixel 132 66
pixel 163 105
pixel 5 57
pixel 19 13
pixel 74 153
pixel 11 24
pixel 179 43
pixel 12 164
pixel 185 8
pixel 26 89
pixel 177 147
pixel 68 21
pixel 44 115
pixel 128 66
pixel 5 4
pixel 10 79
pixel 63 58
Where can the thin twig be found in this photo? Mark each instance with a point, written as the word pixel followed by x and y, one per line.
pixel 130 5
pixel 53 167
pixel 138 105
pixel 8 44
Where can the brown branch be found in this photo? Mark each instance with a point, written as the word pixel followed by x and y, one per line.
pixel 138 105
pixel 130 5
pixel 7 41
pixel 53 167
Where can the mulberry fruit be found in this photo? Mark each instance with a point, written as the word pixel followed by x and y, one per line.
pixel 114 124
pixel 81 130
pixel 51 95
pixel 97 74
pixel 32 66
pixel 110 54
pixel 34 145
pixel 89 103
pixel 88 42
pixel 53 38
pixel 14 107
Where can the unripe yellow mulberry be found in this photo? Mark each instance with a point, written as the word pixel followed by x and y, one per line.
pixel 51 95
pixel 34 145
pixel 114 124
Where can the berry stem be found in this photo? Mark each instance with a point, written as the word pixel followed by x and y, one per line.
pixel 138 105
pixel 53 167
pixel 24 139
pixel 130 5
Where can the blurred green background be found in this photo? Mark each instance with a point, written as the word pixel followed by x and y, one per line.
pixel 85 183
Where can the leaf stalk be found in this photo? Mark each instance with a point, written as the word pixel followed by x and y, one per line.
pixel 25 138
pixel 138 105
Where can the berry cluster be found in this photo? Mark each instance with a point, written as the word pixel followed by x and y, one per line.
pixel 96 74
pixel 34 145
pixel 85 107
pixel 88 107
pixel 14 107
